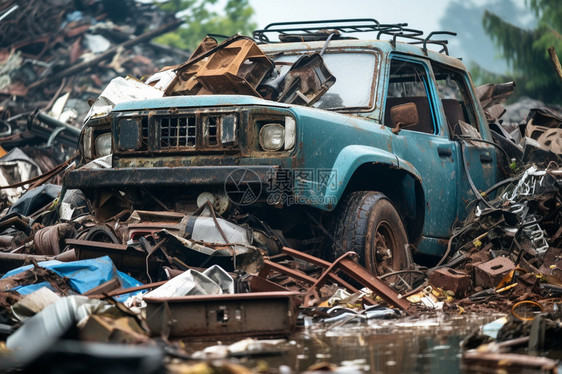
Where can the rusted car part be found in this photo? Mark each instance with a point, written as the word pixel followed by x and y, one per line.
pixel 186 241
pixel 45 126
pixel 50 240
pixel 346 264
pixel 247 65
pixel 125 257
pixel 236 66
pixel 492 96
pixel 203 225
pixel 230 256
pixel 226 316
pixel 306 81
pixel 545 126
pixel 200 239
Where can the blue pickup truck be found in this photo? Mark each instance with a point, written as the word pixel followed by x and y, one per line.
pixel 327 144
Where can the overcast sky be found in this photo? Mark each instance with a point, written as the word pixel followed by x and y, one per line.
pixel 422 14
pixel 419 14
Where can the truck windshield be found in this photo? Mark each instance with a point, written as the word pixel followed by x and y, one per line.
pixel 354 73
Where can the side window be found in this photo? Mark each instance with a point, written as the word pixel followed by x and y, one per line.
pixel 409 84
pixel 456 101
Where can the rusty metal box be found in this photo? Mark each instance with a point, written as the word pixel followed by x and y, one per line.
pixel 268 314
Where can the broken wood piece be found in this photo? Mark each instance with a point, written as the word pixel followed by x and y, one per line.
pixel 555 62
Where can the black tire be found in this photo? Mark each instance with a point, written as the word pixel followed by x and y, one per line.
pixel 367 223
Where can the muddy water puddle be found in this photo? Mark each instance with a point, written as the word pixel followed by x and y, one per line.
pixel 422 344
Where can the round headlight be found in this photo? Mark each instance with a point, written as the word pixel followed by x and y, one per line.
pixel 103 145
pixel 272 137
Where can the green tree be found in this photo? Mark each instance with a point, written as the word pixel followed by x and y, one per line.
pixel 200 20
pixel 482 76
pixel 526 50
pixel 471 42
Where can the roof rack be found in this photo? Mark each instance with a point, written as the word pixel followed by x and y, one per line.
pixel 321 29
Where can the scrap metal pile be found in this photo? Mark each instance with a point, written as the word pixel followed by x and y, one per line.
pixel 87 290
pixel 507 250
pixel 55 56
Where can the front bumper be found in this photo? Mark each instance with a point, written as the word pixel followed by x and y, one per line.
pixel 166 176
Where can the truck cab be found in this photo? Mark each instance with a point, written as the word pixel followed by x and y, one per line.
pixel 341 144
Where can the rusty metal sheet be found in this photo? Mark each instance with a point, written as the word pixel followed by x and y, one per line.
pixel 9 261
pixel 236 66
pixel 226 316
pixel 110 285
pixel 260 284
pixel 355 271
pixel 124 257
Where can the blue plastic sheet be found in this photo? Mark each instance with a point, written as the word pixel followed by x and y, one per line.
pixel 83 275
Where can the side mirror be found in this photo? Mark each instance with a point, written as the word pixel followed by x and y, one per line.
pixel 403 115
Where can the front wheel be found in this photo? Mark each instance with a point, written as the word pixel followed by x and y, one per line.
pixel 367 223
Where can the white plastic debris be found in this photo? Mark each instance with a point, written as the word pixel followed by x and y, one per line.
pixel 99 163
pixel 162 79
pixel 491 329
pixel 213 281
pixel 96 43
pixel 120 90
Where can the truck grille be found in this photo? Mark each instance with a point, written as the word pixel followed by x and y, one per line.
pixel 211 128
pixel 177 132
pixel 144 132
pixel 183 132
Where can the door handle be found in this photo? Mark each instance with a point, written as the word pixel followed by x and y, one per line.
pixel 486 159
pixel 444 151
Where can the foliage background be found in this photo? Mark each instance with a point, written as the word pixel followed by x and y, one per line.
pixel 521 37
pixel 203 17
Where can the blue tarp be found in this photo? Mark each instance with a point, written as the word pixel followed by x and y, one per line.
pixel 83 275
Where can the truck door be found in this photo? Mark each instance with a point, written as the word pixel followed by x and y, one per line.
pixel 466 124
pixel 425 145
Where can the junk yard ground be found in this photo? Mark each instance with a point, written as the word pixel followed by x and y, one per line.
pixel 301 200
